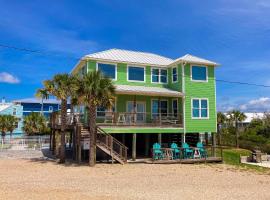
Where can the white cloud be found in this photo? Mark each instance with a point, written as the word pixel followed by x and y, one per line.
pixel 8 78
pixel 256 105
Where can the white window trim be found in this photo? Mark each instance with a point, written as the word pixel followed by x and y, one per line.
pixel 199 108
pixel 158 100
pixel 159 75
pixel 176 74
pixel 201 81
pixel 176 104
pixel 114 79
pixel 144 74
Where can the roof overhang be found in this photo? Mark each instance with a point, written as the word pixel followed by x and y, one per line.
pixel 149 91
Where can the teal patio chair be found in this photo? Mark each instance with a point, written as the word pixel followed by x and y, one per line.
pixel 202 150
pixel 188 152
pixel 157 152
pixel 175 150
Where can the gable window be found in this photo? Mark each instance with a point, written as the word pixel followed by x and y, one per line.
pixel 136 74
pixel 200 108
pixel 159 75
pixel 159 107
pixel 199 73
pixel 174 74
pixel 108 70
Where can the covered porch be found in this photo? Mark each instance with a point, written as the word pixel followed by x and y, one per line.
pixel 140 106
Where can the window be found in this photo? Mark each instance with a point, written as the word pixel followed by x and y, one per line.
pixel 108 70
pixel 136 73
pixel 199 108
pixel 174 74
pixel 159 75
pixel 14 111
pixel 175 107
pixel 50 108
pixel 159 106
pixel 101 111
pixel 199 73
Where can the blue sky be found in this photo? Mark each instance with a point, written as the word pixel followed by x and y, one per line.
pixel 233 33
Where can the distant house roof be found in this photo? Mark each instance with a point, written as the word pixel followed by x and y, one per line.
pixel 136 57
pixel 150 91
pixel 35 100
pixel 251 116
pixel 4 106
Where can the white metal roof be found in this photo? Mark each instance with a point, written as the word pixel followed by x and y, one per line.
pixel 4 106
pixel 251 116
pixel 150 91
pixel 194 59
pixel 136 57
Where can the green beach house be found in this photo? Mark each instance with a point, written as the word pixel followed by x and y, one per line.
pixel 158 99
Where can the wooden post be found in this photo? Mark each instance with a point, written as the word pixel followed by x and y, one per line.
pixel 50 148
pixel 123 138
pixel 183 138
pixel 79 144
pixel 74 143
pixel 159 111
pixel 134 143
pixel 159 138
pixel 147 141
pixel 206 138
pixel 54 142
pixel 214 144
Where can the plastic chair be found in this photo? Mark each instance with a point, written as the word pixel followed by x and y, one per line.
pixel 157 153
pixel 188 152
pixel 176 151
pixel 202 150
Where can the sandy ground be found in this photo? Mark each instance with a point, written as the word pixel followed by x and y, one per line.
pixel 36 179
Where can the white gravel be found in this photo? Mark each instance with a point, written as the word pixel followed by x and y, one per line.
pixel 43 179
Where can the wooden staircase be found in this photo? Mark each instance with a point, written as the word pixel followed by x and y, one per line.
pixel 108 144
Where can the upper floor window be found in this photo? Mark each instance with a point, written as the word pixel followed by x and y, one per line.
pixel 199 73
pixel 14 111
pixel 199 108
pixel 174 74
pixel 136 73
pixel 159 75
pixel 108 70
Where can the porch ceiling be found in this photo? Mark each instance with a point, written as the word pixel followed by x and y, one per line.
pixel 149 91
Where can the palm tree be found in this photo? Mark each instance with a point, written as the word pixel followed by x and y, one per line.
pixel 61 86
pixel 221 118
pixel 236 116
pixel 12 124
pixel 95 90
pixel 43 94
pixel 34 123
pixel 3 125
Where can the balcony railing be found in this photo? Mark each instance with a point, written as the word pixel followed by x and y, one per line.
pixel 125 119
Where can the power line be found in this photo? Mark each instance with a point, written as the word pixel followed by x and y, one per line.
pixel 40 52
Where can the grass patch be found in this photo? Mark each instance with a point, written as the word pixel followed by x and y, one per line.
pixel 231 156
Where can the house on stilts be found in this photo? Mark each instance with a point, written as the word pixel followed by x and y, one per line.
pixel 157 100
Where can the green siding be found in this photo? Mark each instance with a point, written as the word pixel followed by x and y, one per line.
pixel 200 90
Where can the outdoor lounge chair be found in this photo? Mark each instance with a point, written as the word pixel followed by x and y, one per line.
pixel 202 150
pixel 176 151
pixel 188 152
pixel 157 152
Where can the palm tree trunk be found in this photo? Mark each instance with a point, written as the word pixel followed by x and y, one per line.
pixel 92 131
pixel 63 128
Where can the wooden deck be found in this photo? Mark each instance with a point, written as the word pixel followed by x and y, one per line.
pixel 186 161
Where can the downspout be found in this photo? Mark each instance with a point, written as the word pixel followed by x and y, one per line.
pixel 184 101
